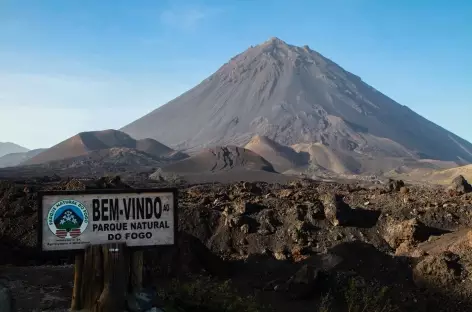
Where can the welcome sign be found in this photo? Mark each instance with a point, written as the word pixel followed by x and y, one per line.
pixel 72 220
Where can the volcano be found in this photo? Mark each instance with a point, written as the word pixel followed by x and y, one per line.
pixel 294 95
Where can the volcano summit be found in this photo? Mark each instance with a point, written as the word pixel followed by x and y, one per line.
pixel 294 95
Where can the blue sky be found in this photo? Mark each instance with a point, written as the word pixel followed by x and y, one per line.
pixel 79 65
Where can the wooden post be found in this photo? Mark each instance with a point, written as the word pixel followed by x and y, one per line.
pixel 79 264
pixel 137 271
pixel 103 276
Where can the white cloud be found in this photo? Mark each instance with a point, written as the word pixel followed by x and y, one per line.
pixel 187 18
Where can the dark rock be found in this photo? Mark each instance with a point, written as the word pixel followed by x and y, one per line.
pixel 298 232
pixel 460 185
pixel 336 210
pixel 245 228
pixel 252 188
pixel 411 231
pixel 205 201
pixel 304 283
pixel 267 222
pixel 246 208
pixel 309 211
pixel 394 185
pixel 141 300
pixel 236 221
pixel 438 271
pixel 266 229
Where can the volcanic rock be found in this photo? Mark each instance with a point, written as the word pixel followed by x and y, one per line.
pixel 394 185
pixel 438 271
pixel 336 210
pixel 267 222
pixel 460 185
pixel 411 231
pixel 304 282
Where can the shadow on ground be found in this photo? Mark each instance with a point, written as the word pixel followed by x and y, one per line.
pixel 274 281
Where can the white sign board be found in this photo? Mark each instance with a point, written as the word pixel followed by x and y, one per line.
pixel 74 220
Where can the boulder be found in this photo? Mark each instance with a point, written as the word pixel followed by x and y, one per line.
pixel 268 222
pixel 303 284
pixel 251 188
pixel 309 211
pixel 336 210
pixel 394 185
pixel 299 232
pixel 460 185
pixel 244 207
pixel 409 232
pixel 458 242
pixel 438 271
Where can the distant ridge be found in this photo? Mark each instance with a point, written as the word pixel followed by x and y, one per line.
pixel 9 147
pixel 294 95
pixel 14 159
pixel 438 176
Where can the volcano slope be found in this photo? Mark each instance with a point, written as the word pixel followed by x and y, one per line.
pixel 294 95
pixel 295 247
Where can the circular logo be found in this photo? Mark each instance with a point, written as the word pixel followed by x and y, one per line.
pixel 68 218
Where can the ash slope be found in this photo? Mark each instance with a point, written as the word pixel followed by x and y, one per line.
pixel 85 142
pixel 295 95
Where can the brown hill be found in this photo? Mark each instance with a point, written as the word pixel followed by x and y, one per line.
pixel 84 143
pixel 220 158
pixel 295 95
pixel 322 156
pixel 280 156
pixel 224 164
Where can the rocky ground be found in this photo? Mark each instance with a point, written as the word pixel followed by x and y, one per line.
pixel 295 246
